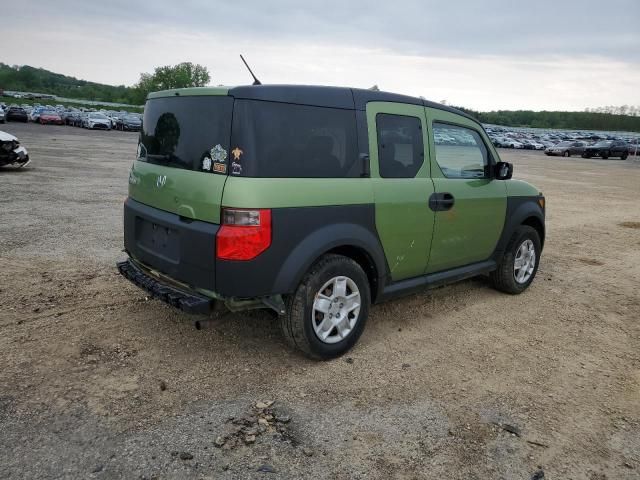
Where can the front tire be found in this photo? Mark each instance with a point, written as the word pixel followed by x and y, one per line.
pixel 566 153
pixel 604 155
pixel 328 312
pixel 624 156
pixel 519 263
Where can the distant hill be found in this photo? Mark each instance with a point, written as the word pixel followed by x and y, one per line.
pixel 38 80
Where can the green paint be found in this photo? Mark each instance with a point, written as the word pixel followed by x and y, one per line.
pixel 189 92
pixel 246 192
pixel 192 194
pixel 415 239
pixel 403 218
pixel 518 188
pixel 468 232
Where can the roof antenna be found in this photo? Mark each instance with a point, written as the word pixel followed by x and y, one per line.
pixel 255 79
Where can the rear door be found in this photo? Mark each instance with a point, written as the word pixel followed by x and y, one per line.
pixel 400 176
pixel 183 155
pixel 471 207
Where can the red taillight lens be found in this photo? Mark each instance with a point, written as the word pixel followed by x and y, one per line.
pixel 244 234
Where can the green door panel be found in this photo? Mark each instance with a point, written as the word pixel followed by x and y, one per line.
pixel 470 230
pixel 192 194
pixel 403 218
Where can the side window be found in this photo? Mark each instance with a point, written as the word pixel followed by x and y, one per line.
pixel 282 140
pixel 400 146
pixel 460 152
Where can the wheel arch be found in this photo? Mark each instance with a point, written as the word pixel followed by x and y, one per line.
pixel 535 223
pixel 523 210
pixel 350 240
pixel 366 262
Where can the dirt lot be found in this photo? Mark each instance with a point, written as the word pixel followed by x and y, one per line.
pixel 97 381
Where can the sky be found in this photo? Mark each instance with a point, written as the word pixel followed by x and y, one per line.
pixel 485 55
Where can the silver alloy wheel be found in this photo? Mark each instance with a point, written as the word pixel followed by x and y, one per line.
pixel 525 262
pixel 336 309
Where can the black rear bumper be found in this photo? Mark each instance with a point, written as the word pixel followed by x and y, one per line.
pixel 186 301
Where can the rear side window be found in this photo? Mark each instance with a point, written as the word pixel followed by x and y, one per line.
pixel 185 132
pixel 280 140
pixel 400 146
pixel 460 152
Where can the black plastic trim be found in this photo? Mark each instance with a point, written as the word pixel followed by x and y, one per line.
pixel 519 209
pixel 333 97
pixel 319 96
pixel 432 280
pixel 191 258
pixel 301 235
pixel 188 302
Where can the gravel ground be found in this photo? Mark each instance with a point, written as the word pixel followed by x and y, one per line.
pixel 461 382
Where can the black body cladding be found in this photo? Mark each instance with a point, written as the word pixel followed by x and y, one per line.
pixel 304 234
pixel 521 210
pixel 183 249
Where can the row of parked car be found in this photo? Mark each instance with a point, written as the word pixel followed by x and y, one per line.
pixel 566 144
pixel 59 115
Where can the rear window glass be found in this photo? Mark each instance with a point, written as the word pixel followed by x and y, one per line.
pixel 187 132
pixel 279 140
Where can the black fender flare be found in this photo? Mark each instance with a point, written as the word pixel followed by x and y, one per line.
pixel 323 240
pixel 519 210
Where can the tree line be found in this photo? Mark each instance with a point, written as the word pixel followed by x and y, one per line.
pixel 561 120
pixel 38 80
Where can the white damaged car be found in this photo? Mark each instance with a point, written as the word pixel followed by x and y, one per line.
pixel 11 153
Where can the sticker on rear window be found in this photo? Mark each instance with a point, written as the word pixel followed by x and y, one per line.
pixel 237 152
pixel 220 167
pixel 206 164
pixel 218 154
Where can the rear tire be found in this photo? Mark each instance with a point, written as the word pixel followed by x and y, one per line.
pixel 507 277
pixel 334 285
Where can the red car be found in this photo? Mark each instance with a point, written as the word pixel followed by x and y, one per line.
pixel 50 117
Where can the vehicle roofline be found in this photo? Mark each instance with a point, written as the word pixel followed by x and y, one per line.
pixel 349 98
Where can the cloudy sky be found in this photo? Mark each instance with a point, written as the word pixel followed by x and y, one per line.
pixel 492 54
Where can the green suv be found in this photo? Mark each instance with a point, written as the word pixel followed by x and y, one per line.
pixel 316 202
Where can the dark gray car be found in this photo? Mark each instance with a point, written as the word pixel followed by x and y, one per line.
pixel 566 148
pixel 607 148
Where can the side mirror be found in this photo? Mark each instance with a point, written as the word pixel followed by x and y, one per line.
pixel 503 171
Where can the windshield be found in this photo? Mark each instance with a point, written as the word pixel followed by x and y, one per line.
pixel 192 133
pixel 98 116
pixel 564 144
pixel 131 118
pixel 603 144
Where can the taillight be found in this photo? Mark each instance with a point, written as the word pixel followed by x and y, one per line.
pixel 244 234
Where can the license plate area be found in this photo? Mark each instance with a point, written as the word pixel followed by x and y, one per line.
pixel 158 240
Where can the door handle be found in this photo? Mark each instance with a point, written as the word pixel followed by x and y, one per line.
pixel 439 202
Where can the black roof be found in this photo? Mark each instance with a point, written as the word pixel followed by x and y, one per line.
pixel 334 97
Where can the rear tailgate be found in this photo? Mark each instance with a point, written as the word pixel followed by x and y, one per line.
pixel 172 214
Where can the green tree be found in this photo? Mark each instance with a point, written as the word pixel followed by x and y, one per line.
pixel 183 75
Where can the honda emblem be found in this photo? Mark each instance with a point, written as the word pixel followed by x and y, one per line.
pixel 161 180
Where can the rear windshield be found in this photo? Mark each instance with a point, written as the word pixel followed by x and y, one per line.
pixel 187 132
pixel 279 140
